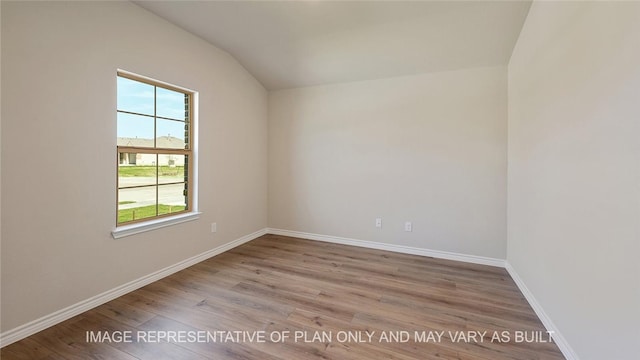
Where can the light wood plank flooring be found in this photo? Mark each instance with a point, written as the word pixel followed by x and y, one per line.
pixel 276 284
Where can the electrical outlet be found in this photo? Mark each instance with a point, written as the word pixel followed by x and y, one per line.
pixel 378 222
pixel 214 227
pixel 408 226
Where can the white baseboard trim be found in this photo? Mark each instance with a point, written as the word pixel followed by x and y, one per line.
pixel 562 343
pixel 21 332
pixel 391 247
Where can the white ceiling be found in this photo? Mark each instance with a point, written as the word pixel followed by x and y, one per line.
pixel 287 44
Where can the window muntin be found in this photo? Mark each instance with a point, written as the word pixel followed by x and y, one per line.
pixel 154 149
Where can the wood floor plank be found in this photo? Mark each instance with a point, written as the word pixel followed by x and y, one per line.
pixel 27 349
pixel 275 284
pixel 121 311
pixel 70 343
pixel 367 349
pixel 95 321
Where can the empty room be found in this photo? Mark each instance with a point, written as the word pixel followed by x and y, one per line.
pixel 320 180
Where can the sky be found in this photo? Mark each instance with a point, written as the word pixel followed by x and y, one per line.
pixel 137 97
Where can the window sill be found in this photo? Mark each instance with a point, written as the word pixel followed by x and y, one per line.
pixel 127 230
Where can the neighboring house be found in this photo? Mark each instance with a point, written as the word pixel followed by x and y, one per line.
pixel 150 159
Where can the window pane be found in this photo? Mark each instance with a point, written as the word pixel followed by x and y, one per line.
pixel 151 117
pixel 171 168
pixel 170 134
pixel 135 130
pixel 171 198
pixel 135 96
pixel 132 174
pixel 171 104
pixel 136 203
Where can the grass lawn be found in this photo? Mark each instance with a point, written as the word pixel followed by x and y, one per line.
pixel 149 171
pixel 146 212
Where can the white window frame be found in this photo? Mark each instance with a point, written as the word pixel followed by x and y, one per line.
pixel 158 222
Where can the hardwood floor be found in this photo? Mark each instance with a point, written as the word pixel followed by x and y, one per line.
pixel 344 303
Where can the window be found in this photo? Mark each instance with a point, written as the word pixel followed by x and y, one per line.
pixel 155 149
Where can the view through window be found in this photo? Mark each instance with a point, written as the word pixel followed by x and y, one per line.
pixel 154 149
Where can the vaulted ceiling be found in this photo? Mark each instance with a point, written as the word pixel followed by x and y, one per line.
pixel 287 44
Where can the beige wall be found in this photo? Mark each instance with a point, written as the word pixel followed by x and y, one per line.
pixel 574 155
pixel 0 171
pixel 59 64
pixel 430 149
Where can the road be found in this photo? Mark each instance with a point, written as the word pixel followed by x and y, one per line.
pixel 167 194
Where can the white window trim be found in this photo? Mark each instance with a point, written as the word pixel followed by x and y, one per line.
pixel 128 230
pixel 158 223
